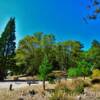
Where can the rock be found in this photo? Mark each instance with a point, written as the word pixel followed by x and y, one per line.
pixel 79 97
pixel 32 92
pixel 20 98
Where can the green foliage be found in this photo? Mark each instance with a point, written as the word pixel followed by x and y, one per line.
pixel 45 68
pixel 31 51
pixel 74 51
pixel 72 72
pixel 85 68
pixel 29 55
pixel 61 56
pixel 94 54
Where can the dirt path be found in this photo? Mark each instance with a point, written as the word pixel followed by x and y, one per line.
pixel 18 84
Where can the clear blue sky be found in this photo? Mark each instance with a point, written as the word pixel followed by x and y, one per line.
pixel 63 18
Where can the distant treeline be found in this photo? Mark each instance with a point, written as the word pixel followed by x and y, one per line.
pixel 32 49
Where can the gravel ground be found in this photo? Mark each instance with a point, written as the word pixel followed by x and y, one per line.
pixel 5 85
pixel 16 85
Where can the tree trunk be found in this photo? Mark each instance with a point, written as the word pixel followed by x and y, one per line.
pixel 43 84
pixel 84 77
pixel 2 75
pixel 1 78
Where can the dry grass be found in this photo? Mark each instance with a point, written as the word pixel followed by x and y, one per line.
pixel 41 94
pixel 96 87
pixel 24 92
pixel 71 84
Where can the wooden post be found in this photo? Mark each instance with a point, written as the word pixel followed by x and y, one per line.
pixel 10 87
pixel 43 84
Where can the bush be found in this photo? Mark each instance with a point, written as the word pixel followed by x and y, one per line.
pixel 72 72
pixel 96 73
pixel 62 87
pixel 61 94
pixel 51 80
pixel 15 78
pixel 84 67
pixel 79 89
pixel 73 88
pixel 58 95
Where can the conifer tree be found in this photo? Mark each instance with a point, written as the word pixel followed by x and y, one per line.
pixel 7 48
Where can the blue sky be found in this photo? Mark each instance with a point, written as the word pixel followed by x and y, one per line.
pixel 63 18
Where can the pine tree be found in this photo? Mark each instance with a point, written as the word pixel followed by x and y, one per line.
pixel 7 48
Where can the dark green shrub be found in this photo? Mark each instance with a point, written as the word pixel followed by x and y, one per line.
pixel 95 81
pixel 51 80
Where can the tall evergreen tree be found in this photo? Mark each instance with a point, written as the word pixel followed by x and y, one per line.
pixel 7 48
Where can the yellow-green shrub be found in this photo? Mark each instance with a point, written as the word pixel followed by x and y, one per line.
pixel 15 78
pixel 96 73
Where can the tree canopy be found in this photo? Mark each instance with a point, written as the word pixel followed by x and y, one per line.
pixel 66 56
